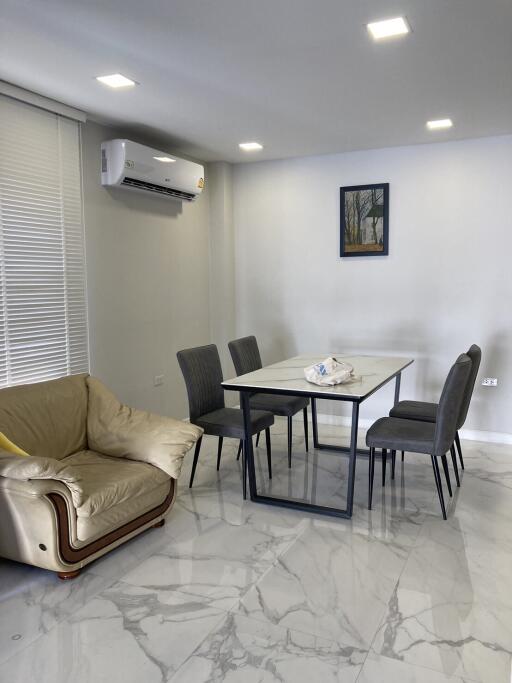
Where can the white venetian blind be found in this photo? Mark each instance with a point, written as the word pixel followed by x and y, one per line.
pixel 43 310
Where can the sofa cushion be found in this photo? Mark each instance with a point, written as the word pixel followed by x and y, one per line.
pixel 46 419
pixel 102 523
pixel 102 482
pixel 123 432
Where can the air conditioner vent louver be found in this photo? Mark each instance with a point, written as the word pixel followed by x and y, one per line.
pixel 157 189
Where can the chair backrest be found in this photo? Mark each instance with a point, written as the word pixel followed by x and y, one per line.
pixel 450 404
pixel 202 372
pixel 245 354
pixel 475 353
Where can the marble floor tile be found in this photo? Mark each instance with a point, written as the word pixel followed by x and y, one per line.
pixel 32 601
pixel 125 635
pixel 331 583
pixel 242 650
pixel 452 607
pixel 224 560
pixel 384 670
pixel 130 554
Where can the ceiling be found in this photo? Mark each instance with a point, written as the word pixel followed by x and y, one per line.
pixel 300 76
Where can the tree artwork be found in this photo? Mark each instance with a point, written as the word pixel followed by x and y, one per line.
pixel 364 220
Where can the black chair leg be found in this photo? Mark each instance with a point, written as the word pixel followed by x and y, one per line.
pixel 240 445
pixel 371 471
pixel 306 439
pixel 289 441
pixel 393 461
pixel 454 462
pixel 447 474
pixel 219 452
pixel 437 477
pixel 194 463
pixel 403 454
pixel 269 453
pixel 257 439
pixel 384 457
pixel 457 441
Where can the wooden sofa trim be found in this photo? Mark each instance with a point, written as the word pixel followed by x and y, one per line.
pixel 73 555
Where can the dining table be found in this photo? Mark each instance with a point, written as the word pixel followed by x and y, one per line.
pixel 370 374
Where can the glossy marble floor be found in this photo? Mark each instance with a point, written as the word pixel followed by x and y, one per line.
pixel 233 591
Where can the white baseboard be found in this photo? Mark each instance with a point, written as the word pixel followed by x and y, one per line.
pixel 467 434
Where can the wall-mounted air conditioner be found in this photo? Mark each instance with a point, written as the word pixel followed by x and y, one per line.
pixel 127 164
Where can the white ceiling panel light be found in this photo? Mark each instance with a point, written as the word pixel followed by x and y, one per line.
pixel 439 124
pixel 250 146
pixel 116 81
pixel 165 160
pixel 388 28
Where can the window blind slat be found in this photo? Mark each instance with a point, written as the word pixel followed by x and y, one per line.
pixel 43 311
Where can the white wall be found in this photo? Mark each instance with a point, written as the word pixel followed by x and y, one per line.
pixel 222 262
pixel 445 284
pixel 148 284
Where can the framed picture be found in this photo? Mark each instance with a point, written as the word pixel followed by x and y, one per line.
pixel 364 220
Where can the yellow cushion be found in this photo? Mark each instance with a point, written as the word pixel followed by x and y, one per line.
pixel 7 445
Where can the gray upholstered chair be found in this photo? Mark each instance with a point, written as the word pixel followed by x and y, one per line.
pixel 426 412
pixel 246 358
pixel 202 372
pixel 418 436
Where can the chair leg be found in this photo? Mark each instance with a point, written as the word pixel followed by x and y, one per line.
pixel 289 441
pixel 239 449
pixel 269 453
pixel 219 452
pixel 403 454
pixel 447 474
pixel 393 461
pixel 457 441
pixel 257 439
pixel 437 477
pixel 306 438
pixel 384 460
pixel 371 471
pixel 454 462
pixel 194 464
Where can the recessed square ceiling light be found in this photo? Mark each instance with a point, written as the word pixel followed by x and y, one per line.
pixel 439 124
pixel 165 160
pixel 388 28
pixel 116 81
pixel 250 146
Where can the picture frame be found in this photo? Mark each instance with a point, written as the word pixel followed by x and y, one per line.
pixel 364 220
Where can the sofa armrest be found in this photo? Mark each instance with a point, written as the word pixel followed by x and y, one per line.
pixel 24 468
pixel 117 430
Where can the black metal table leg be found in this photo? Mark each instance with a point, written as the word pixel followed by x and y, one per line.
pixel 397 387
pixel 353 456
pixel 247 452
pixel 314 422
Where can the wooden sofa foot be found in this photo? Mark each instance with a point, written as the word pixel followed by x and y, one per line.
pixel 65 576
pixel 159 524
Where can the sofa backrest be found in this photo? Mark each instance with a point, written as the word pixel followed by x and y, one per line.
pixel 48 418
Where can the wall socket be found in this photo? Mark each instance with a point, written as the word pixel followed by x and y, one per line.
pixel 490 382
pixel 158 380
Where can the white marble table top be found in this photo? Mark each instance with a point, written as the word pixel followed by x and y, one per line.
pixel 370 373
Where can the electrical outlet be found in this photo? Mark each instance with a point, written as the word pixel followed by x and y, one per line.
pixel 490 382
pixel 158 380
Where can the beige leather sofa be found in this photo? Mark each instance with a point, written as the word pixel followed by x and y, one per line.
pixel 97 474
